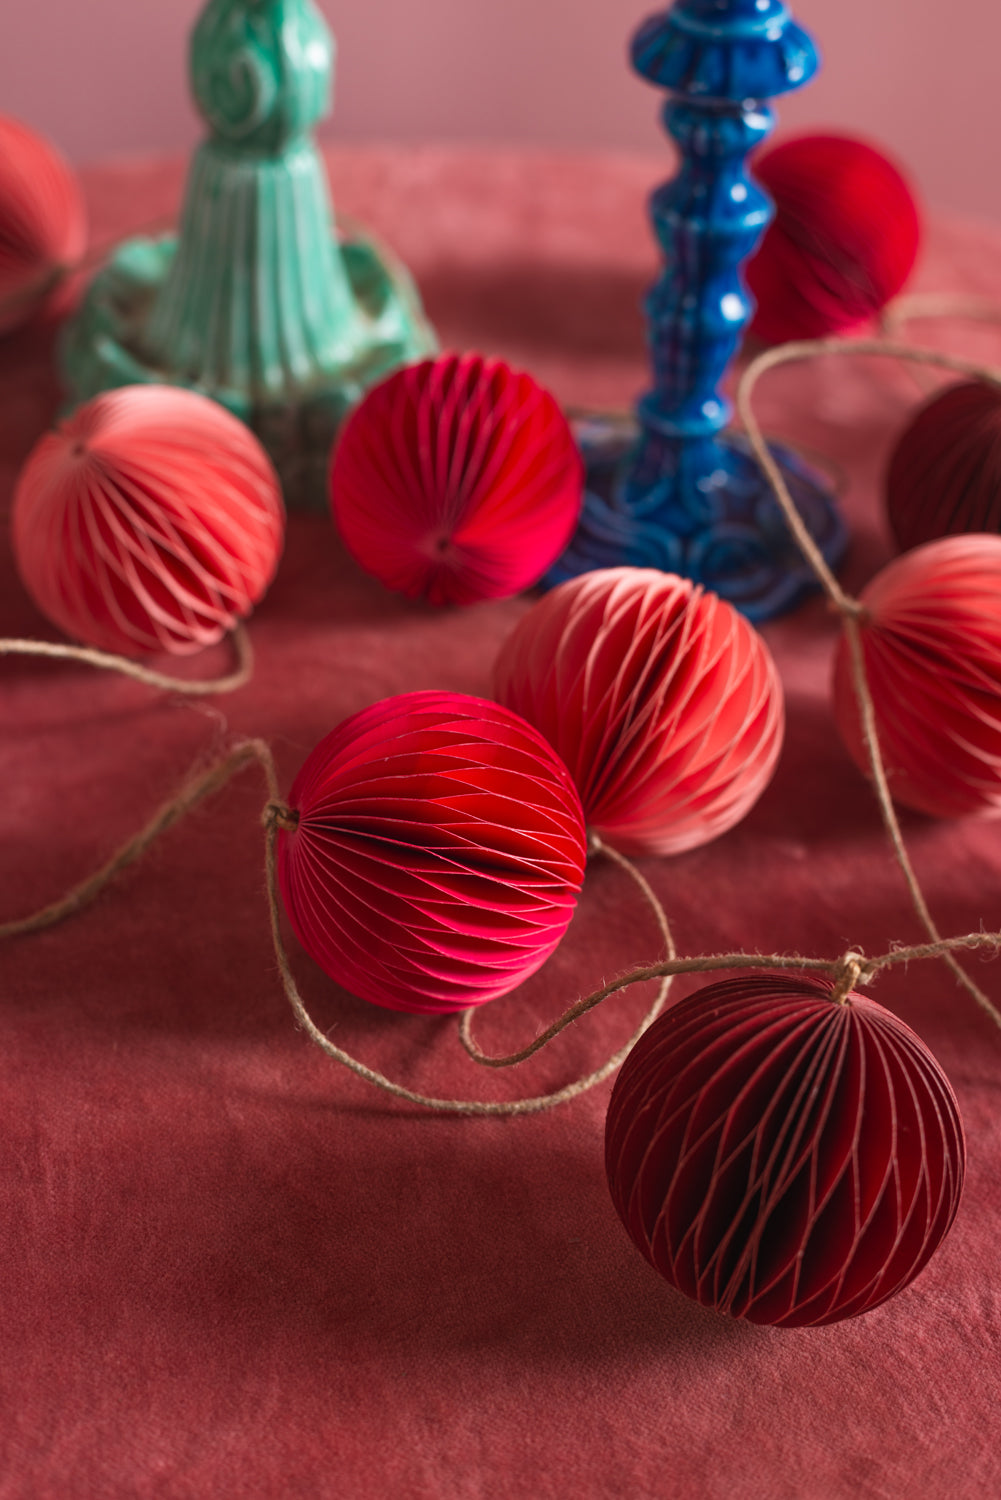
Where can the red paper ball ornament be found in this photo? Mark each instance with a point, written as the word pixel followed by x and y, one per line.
pixel 438 855
pixel 931 639
pixel 661 699
pixel 843 241
pixel 150 520
pixel 783 1158
pixel 945 474
pixel 456 479
pixel 42 223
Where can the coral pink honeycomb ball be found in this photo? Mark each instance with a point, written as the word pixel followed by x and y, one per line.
pixel 782 1158
pixel 931 639
pixel 661 699
pixel 150 520
pixel 843 241
pixel 945 473
pixel 43 228
pixel 438 854
pixel 457 479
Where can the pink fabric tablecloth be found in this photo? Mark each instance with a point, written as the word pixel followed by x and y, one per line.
pixel 231 1269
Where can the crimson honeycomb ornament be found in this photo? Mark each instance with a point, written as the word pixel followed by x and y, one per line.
pixel 43 228
pixel 438 853
pixel 782 1158
pixel 944 477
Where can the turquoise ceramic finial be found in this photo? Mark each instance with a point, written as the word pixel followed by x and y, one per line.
pixel 257 303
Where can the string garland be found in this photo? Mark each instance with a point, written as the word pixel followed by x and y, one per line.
pixel 850 970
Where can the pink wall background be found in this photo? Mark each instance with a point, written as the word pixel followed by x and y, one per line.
pixel 919 76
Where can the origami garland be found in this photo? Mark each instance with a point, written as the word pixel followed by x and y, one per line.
pixel 945 473
pixel 456 479
pixel 42 222
pixel 150 520
pixel 661 699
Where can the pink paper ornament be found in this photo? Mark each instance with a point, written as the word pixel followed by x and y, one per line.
pixel 150 520
pixel 438 855
pixel 43 228
pixel 931 638
pixel 780 1157
pixel 456 479
pixel 661 699
pixel 945 474
pixel 843 241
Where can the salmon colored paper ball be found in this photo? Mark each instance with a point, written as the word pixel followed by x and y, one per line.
pixel 43 229
pixel 945 474
pixel 931 638
pixel 663 701
pixel 782 1158
pixel 455 480
pixel 150 520
pixel 438 855
pixel 843 241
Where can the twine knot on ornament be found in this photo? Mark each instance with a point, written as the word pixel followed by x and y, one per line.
pixel 280 815
pixel 852 970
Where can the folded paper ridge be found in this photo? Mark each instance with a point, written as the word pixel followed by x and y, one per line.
pixel 662 700
pixel 456 479
pixel 150 520
pixel 781 1157
pixel 438 854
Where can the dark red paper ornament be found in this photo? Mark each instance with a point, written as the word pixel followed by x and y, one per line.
pixel 150 520
pixel 931 638
pixel 456 479
pixel 843 241
pixel 661 699
pixel 438 855
pixel 43 228
pixel 945 474
pixel 783 1158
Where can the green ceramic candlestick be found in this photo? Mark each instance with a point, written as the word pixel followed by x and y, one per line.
pixel 258 303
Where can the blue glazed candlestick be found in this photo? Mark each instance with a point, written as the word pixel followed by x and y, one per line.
pixel 685 496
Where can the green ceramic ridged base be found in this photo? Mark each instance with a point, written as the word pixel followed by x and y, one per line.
pixel 257 303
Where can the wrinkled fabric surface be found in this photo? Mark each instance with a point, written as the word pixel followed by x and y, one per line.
pixel 231 1269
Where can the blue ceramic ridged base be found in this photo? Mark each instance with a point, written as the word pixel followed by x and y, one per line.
pixel 740 548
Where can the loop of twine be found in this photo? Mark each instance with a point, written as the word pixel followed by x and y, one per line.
pixel 106 661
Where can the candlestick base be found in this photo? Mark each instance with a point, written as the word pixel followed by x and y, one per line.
pixel 731 536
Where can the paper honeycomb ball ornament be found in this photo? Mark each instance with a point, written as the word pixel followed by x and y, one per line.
pixel 43 228
pixel 455 480
pixel 843 241
pixel 782 1158
pixel 661 699
pixel 150 520
pixel 438 854
pixel 945 473
pixel 931 638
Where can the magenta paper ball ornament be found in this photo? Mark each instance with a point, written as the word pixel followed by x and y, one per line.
pixel 945 474
pixel 661 699
pixel 150 520
pixel 780 1157
pixel 843 241
pixel 438 855
pixel 456 479
pixel 43 228
pixel 931 638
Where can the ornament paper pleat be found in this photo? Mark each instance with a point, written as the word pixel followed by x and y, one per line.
pixel 931 638
pixel 456 479
pixel 438 854
pixel 843 241
pixel 783 1158
pixel 42 222
pixel 661 699
pixel 150 520
pixel 944 476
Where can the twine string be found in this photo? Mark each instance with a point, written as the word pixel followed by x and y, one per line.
pixel 852 610
pixel 106 661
